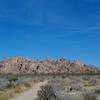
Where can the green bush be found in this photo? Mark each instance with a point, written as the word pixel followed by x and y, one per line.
pixel 13 78
pixel 11 85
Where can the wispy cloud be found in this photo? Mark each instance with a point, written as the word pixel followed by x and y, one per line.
pixel 74 32
pixel 91 1
pixel 34 12
pixel 87 29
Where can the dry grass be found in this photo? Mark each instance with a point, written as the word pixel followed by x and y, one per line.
pixel 60 85
pixel 6 95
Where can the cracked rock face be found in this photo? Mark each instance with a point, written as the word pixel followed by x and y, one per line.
pixel 26 65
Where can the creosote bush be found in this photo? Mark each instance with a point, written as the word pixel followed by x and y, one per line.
pixel 47 93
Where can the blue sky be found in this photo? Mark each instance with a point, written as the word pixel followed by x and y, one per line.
pixel 51 28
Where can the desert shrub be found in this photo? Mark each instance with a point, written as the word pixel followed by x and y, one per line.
pixel 58 86
pixel 11 85
pixel 36 81
pixel 23 82
pixel 92 82
pixel 54 76
pixel 86 78
pixel 12 78
pixel 27 84
pixel 3 84
pixel 63 76
pixel 76 88
pixel 97 91
pixel 2 88
pixel 89 96
pixel 47 93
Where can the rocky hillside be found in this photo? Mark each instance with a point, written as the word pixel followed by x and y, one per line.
pixel 26 65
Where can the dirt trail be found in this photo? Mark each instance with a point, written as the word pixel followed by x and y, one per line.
pixel 30 94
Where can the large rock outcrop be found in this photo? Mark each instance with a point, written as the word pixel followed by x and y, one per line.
pixel 26 65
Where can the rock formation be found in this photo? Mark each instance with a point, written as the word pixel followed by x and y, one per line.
pixel 26 65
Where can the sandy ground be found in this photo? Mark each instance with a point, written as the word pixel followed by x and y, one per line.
pixel 30 94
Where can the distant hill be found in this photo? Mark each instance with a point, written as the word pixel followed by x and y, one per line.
pixel 25 65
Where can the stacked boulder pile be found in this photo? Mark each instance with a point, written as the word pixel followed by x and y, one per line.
pixel 26 65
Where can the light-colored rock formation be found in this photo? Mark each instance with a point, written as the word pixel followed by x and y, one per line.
pixel 25 65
